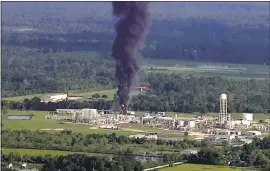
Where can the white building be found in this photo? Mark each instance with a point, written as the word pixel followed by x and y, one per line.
pixel 54 98
pixel 188 152
pixel 191 124
pixel 137 136
pixel 58 97
pixel 236 123
pixel 130 112
pixel 248 116
pixel 108 126
pixel 89 114
pixel 151 137
pixel 148 137
pixel 253 133
pixel 67 111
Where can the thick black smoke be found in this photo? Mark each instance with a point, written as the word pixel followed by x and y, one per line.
pixel 131 29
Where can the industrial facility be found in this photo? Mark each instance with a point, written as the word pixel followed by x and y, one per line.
pixel 219 129
pixel 54 98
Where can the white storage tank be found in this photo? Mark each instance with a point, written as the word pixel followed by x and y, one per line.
pixel 248 116
pixel 191 124
pixel 181 123
pixel 223 97
pixel 89 113
pixel 93 113
pixel 253 133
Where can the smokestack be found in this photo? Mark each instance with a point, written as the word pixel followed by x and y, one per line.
pixel 131 28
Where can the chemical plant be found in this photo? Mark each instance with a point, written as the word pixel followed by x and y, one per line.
pixel 219 129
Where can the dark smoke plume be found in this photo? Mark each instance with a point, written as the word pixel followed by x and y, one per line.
pixel 131 29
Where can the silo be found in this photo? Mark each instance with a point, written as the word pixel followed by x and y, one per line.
pixel 88 114
pixel 248 116
pixel 93 113
pixel 191 124
pixel 85 114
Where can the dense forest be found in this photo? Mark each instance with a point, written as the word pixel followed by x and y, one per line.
pixel 218 32
pixel 75 162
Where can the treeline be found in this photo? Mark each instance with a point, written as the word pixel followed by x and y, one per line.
pixel 36 104
pixel 76 162
pixel 255 154
pixel 91 143
pixel 175 93
pixel 201 94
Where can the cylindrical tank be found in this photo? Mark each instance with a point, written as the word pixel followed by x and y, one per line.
pixel 181 123
pixel 191 124
pixel 248 116
pixel 93 113
pixel 85 114
pixel 89 113
pixel 223 96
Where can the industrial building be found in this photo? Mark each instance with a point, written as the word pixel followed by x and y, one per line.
pixel 188 152
pixel 253 133
pixel 149 136
pixel 54 98
pixel 91 116
pixel 19 117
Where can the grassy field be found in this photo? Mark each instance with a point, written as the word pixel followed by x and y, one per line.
pixel 236 71
pixel 198 167
pixel 110 93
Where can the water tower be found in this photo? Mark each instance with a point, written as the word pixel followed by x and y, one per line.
pixel 223 113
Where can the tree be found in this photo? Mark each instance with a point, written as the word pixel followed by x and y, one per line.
pixel 4 110
pixel 104 96
pixel 203 110
pixel 95 96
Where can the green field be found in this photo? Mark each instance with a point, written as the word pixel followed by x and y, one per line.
pixel 110 93
pixel 198 167
pixel 236 71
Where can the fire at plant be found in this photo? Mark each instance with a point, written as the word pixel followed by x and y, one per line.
pixel 123 110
